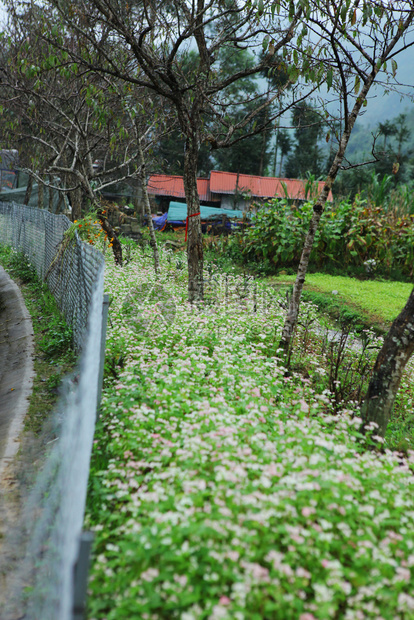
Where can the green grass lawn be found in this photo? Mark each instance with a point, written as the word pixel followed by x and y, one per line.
pixel 381 300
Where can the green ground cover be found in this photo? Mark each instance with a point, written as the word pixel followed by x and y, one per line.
pixel 352 238
pixel 381 299
pixel 54 356
pixel 223 486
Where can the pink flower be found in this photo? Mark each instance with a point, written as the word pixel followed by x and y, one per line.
pixel 302 572
pixel 307 511
pixel 181 579
pixel 403 574
pixel 259 572
pixel 233 555
pixel 224 600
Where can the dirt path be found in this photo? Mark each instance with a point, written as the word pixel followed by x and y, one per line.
pixel 16 367
pixel 16 378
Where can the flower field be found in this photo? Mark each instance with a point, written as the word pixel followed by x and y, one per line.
pixel 222 486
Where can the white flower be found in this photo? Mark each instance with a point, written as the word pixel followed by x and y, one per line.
pixel 219 612
pixel 405 602
pixel 402 574
pixel 322 593
pixel 150 574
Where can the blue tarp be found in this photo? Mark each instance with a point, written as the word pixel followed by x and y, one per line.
pixel 159 222
pixel 177 212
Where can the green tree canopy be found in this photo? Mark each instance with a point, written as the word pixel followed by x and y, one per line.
pixel 306 156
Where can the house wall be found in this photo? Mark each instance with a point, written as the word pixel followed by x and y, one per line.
pixel 227 202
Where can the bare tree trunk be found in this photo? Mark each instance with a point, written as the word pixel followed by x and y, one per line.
pixel 275 151
pixel 50 193
pixel 138 207
pixel 143 178
pixel 280 165
pixel 194 243
pixel 76 203
pixel 389 366
pixel 142 213
pixel 40 195
pixel 236 191
pixel 105 223
pixel 61 204
pixel 116 244
pixel 28 192
pixel 264 136
pixel 318 209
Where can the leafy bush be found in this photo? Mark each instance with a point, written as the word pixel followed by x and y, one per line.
pixel 53 354
pixel 359 234
pixel 58 339
pixel 20 267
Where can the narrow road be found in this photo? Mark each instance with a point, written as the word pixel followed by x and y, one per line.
pixel 16 367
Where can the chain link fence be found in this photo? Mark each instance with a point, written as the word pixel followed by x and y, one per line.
pixel 69 266
pixel 41 196
pixel 44 544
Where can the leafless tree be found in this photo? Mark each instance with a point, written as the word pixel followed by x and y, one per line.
pixel 360 44
pixel 363 40
pixel 157 39
pixel 71 118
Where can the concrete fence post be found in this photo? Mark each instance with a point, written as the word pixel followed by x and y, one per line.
pixel 80 576
pixel 105 310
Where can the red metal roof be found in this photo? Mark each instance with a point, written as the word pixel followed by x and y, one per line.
pixel 169 185
pixel 226 183
pixel 260 187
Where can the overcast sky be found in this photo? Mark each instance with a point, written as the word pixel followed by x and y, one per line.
pixel 2 13
pixel 379 107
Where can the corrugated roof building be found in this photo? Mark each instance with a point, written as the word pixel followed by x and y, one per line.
pixel 173 187
pixel 235 191
pixel 262 187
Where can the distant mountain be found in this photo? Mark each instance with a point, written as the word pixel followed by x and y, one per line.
pixel 362 137
pixel 382 107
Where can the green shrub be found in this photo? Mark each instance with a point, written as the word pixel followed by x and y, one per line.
pixel 58 338
pixel 358 235
pixel 20 267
